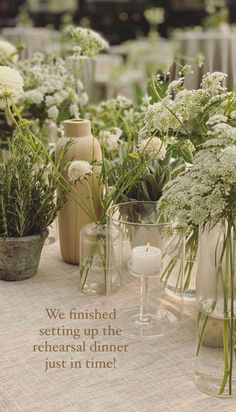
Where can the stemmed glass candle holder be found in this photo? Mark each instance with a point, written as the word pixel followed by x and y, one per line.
pixel 144 239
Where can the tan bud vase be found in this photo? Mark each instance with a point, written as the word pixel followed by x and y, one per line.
pixel 71 217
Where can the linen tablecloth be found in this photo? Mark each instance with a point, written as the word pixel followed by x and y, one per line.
pixel 153 375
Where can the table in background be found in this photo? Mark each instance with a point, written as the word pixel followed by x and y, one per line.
pixel 154 375
pixel 218 49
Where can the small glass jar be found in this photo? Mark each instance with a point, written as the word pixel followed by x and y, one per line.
pixel 100 259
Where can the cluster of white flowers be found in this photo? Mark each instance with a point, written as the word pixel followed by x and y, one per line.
pixel 8 51
pixel 11 86
pixel 185 70
pixel 182 110
pixel 212 83
pixel 175 86
pixel 153 147
pixel 161 117
pixel 110 138
pixel 216 119
pixel 50 85
pixel 79 170
pixel 87 42
pixel 120 103
pixel 206 192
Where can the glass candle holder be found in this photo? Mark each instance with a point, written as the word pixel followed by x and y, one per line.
pixel 144 238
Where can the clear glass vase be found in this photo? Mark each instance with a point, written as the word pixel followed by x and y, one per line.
pixel 100 257
pixel 180 266
pixel 216 328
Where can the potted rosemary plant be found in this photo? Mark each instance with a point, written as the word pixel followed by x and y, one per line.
pixel 28 181
pixel 27 209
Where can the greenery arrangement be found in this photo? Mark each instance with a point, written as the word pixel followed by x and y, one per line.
pixel 27 190
pixel 30 176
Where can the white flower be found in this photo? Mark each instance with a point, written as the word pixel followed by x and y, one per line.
pixel 74 110
pixel 78 170
pixel 175 86
pixel 228 155
pixel 233 115
pixel 8 51
pixel 84 99
pixel 212 82
pixel 110 138
pixel 215 119
pixel 33 96
pixel 50 101
pixel 53 112
pixel 11 86
pixel 153 147
pixel 187 69
pixel 89 41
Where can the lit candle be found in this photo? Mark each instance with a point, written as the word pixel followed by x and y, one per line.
pixel 146 260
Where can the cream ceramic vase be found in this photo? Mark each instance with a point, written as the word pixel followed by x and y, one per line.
pixel 72 218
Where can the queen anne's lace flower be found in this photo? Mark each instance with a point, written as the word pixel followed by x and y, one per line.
pixel 175 86
pixel 79 170
pixel 215 119
pixel 11 86
pixel 205 192
pixel 153 147
pixel 90 42
pixel 212 82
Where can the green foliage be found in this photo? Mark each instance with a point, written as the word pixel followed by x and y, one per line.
pixel 156 90
pixel 152 181
pixel 28 181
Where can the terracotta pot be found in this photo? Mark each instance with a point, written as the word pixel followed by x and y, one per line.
pixel 19 256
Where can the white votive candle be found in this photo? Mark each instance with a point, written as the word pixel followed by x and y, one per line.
pixel 146 260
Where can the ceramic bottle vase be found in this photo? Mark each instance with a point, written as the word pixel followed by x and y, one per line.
pixel 72 218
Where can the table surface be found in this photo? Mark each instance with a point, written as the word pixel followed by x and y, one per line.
pixel 153 375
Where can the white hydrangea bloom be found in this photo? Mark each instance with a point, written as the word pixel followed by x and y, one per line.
pixel 79 170
pixel 153 147
pixel 11 86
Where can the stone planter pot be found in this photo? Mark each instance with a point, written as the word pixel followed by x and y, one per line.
pixel 19 256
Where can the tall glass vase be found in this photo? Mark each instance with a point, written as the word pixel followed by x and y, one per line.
pixel 100 259
pixel 216 327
